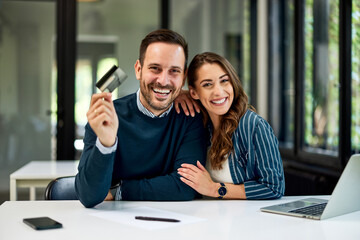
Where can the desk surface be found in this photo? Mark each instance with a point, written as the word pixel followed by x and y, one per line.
pixel 46 170
pixel 39 174
pixel 224 219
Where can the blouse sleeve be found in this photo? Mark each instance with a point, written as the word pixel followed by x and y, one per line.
pixel 270 183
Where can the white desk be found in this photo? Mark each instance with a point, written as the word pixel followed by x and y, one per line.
pixel 223 220
pixel 38 174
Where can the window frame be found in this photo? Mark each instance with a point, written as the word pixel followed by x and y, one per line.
pixel 297 156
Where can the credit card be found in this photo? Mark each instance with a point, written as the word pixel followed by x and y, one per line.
pixel 111 80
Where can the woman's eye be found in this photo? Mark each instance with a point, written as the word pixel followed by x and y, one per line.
pixel 225 80
pixel 206 85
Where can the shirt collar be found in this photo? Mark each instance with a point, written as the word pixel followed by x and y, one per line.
pixel 146 112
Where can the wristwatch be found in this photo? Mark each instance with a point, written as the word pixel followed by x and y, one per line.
pixel 222 191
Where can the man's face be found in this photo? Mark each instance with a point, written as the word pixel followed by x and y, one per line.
pixel 161 76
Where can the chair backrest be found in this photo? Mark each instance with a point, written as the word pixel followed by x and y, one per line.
pixel 62 188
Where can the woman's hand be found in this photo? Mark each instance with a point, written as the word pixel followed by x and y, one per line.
pixel 198 178
pixel 187 103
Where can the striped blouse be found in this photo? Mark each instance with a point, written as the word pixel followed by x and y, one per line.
pixel 256 160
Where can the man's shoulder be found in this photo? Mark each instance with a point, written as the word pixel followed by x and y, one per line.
pixel 186 123
pixel 125 99
pixel 184 118
pixel 126 102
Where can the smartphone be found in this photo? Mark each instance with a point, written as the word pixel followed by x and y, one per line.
pixel 42 223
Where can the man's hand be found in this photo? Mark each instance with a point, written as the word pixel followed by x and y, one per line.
pixel 103 119
pixel 109 197
pixel 187 103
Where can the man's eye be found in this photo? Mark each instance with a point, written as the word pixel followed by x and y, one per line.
pixel 155 69
pixel 175 70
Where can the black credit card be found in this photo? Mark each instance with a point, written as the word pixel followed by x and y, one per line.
pixel 111 80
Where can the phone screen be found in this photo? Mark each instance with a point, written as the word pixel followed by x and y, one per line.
pixel 42 223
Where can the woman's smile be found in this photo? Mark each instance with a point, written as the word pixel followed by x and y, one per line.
pixel 219 102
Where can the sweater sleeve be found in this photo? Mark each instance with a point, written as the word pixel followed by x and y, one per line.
pixel 93 180
pixel 169 187
pixel 268 166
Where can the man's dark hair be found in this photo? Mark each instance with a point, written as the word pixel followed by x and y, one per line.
pixel 166 36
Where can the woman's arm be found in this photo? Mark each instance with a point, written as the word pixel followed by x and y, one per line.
pixel 269 180
pixel 199 179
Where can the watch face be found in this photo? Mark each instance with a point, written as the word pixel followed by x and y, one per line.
pixel 222 191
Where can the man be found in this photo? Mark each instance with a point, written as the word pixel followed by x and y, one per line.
pixel 139 140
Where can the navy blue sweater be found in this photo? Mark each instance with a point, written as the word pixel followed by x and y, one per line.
pixel 149 152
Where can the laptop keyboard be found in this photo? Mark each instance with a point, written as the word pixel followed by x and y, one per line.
pixel 311 210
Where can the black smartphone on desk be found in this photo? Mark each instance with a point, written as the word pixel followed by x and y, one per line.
pixel 42 223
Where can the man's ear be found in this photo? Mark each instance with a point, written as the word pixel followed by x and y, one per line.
pixel 193 93
pixel 137 67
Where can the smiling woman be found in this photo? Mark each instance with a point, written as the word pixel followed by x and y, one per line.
pixel 214 90
pixel 244 160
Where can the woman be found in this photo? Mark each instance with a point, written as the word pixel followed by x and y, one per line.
pixel 243 159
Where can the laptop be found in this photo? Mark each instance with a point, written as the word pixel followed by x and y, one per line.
pixel 344 199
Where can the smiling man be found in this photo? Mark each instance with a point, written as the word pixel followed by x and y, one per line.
pixel 161 73
pixel 139 141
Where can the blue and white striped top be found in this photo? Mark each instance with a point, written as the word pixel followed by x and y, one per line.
pixel 256 160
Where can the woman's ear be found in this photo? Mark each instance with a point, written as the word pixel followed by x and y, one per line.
pixel 193 93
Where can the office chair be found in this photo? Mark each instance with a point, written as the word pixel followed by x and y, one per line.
pixel 62 188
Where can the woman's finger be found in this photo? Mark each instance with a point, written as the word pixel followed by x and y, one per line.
pixel 177 107
pixel 187 182
pixel 196 105
pixel 200 166
pixel 190 166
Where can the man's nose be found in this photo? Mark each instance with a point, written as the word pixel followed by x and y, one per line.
pixel 163 78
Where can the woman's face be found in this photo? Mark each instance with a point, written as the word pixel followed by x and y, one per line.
pixel 214 89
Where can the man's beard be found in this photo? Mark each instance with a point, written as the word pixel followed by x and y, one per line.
pixel 147 91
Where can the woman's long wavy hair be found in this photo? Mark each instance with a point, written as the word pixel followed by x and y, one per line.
pixel 222 143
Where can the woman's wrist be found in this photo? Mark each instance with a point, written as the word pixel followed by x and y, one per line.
pixel 215 187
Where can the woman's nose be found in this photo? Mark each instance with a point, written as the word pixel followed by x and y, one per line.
pixel 218 90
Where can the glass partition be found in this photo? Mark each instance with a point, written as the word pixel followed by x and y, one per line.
pixel 109 32
pixel 27 33
pixel 222 27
